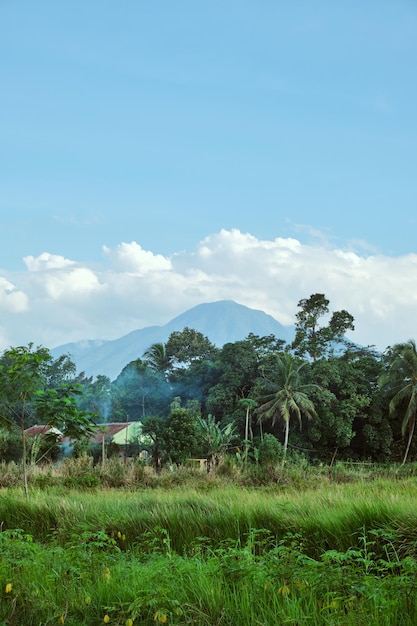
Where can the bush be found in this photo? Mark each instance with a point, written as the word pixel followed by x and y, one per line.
pixel 78 472
pixel 270 451
pixel 10 474
pixel 113 473
pixel 10 445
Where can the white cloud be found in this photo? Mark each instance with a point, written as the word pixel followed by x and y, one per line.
pixel 132 258
pixel 11 299
pixel 59 300
pixel 46 261
pixel 77 282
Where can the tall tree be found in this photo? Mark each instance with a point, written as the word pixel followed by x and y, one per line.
pixel 157 358
pixel 139 391
pixel 400 383
pixel 188 346
pixel 311 337
pixel 181 435
pixel 286 395
pixel 23 393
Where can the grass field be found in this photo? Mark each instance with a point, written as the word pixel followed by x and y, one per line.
pixel 211 554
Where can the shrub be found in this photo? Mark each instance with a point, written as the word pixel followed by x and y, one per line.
pixel 10 474
pixel 270 451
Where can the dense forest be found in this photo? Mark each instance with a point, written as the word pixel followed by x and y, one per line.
pixel 319 398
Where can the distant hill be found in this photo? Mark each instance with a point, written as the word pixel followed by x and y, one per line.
pixel 222 322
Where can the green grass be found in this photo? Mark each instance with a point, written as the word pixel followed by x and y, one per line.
pixel 334 554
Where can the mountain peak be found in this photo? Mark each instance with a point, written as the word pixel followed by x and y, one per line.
pixel 223 321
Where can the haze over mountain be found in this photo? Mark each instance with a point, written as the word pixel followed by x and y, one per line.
pixel 222 322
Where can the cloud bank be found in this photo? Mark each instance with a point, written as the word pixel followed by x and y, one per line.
pixel 57 300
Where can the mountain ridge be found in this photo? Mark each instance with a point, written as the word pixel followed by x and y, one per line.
pixel 223 321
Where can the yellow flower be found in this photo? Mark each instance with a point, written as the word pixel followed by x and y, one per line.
pixel 106 573
pixel 8 587
pixel 119 534
pixel 129 622
pixel 123 537
pixel 160 617
pixel 106 619
pixel 62 620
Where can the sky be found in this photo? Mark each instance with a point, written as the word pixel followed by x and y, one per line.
pixel 157 155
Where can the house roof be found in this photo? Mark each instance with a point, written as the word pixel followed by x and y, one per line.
pixel 112 428
pixel 42 429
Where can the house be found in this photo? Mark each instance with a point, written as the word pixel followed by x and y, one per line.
pixel 43 429
pixel 121 433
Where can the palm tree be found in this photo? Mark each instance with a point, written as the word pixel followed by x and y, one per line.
pixel 157 358
pixel 286 395
pixel 400 383
pixel 249 404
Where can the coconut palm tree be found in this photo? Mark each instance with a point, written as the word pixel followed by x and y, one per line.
pixel 249 405
pixel 157 358
pixel 286 395
pixel 400 383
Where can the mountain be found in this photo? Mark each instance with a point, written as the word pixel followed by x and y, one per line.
pixel 222 322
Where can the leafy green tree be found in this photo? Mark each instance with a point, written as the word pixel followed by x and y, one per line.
pixel 399 382
pixel 181 436
pixel 312 338
pixel 286 395
pixel 97 397
pixel 139 391
pixel 23 393
pixel 188 346
pixel 153 427
pixel 193 370
pixel 238 367
pixel 349 417
pixel 58 371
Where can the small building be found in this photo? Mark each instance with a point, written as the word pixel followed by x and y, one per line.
pixel 43 430
pixel 121 433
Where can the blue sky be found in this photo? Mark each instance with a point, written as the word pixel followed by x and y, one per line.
pixel 165 124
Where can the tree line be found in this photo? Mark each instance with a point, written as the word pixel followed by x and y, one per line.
pixel 320 396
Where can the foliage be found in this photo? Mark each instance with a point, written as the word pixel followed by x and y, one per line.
pixel 285 394
pixel 215 439
pixel 158 359
pixel 358 414
pixel 153 427
pixel 188 346
pixel 229 557
pixel 181 436
pixel 139 391
pixel 271 451
pixel 350 413
pixel 316 340
pixel 25 391
pixel 399 381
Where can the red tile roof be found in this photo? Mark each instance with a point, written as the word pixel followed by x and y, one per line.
pixel 44 429
pixel 111 429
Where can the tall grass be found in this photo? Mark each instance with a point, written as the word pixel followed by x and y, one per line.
pixel 211 554
pixel 329 516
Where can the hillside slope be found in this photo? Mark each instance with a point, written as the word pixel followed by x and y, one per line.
pixel 222 322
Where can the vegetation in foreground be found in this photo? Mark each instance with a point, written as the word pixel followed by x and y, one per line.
pixel 318 541
pixel 211 555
